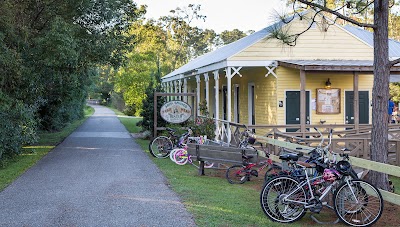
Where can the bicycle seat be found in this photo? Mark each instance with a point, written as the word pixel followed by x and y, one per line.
pixel 170 129
pixel 289 157
pixel 247 157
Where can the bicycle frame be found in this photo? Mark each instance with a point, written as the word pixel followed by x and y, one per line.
pixel 310 190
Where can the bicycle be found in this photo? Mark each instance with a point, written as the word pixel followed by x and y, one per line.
pixel 182 157
pixel 238 174
pixel 356 202
pixel 161 146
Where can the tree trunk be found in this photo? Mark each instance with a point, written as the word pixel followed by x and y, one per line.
pixel 380 91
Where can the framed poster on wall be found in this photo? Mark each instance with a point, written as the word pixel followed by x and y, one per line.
pixel 328 101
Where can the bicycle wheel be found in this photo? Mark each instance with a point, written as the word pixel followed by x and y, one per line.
pixel 208 164
pixel 181 157
pixel 160 147
pixel 172 154
pixel 272 172
pixel 236 174
pixel 272 199
pixel 358 203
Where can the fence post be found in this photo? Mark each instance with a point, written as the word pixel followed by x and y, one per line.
pixel 365 149
pixel 275 146
pixel 398 153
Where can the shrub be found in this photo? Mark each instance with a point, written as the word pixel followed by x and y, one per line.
pixel 17 125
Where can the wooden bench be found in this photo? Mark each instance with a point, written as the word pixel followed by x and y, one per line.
pixel 219 154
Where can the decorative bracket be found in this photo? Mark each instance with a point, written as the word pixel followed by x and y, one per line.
pixel 271 69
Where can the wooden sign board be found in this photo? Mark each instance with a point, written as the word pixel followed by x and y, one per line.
pixel 328 101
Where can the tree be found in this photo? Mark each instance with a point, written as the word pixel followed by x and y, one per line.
pixel 231 36
pixel 148 105
pixel 49 53
pixel 181 33
pixel 382 63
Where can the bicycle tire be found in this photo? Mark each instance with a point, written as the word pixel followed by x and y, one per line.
pixel 358 203
pixel 160 147
pixel 272 172
pixel 236 174
pixel 172 154
pixel 272 204
pixel 181 157
pixel 208 164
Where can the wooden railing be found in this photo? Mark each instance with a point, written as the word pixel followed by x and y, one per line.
pixel 345 136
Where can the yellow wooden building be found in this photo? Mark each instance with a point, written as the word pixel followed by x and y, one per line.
pixel 326 78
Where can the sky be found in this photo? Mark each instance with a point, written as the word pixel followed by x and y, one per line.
pixel 221 14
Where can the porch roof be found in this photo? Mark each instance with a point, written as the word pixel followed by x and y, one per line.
pixel 339 66
pixel 333 65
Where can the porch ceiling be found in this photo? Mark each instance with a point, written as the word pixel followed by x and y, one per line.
pixel 334 65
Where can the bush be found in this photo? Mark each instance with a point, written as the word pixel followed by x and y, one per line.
pixel 17 127
pixel 203 125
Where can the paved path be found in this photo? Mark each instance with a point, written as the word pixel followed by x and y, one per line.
pixel 97 177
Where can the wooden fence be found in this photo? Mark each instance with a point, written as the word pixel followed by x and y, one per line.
pixel 357 140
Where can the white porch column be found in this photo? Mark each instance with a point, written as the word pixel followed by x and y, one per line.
pixel 229 101
pixel 198 94
pixel 185 89
pixel 228 94
pixel 216 78
pixel 206 79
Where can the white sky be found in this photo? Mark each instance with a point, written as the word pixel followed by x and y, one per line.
pixel 221 14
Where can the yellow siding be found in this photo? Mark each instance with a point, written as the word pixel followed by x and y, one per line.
pixel 313 44
pixel 289 79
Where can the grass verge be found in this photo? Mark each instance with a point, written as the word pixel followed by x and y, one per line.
pixel 211 199
pixel 13 168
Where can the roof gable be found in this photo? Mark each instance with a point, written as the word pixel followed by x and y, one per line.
pixel 223 52
pixel 368 37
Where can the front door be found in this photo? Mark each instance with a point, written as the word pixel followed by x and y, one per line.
pixel 363 107
pixel 293 108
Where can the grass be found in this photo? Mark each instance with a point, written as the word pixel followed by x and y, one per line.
pixel 211 199
pixel 13 168
pixel 396 183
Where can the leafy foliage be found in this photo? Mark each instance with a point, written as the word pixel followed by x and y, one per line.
pixel 204 124
pixel 17 125
pixel 49 55
pixel 148 105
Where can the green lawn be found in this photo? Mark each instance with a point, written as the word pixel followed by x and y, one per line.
pixel 211 199
pixel 12 169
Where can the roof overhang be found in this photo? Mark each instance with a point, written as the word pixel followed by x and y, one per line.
pixel 217 66
pixel 334 65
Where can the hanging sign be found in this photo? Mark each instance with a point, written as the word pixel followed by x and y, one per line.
pixel 176 111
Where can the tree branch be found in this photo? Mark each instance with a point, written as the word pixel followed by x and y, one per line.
pixel 326 9
pixel 394 62
pixel 367 5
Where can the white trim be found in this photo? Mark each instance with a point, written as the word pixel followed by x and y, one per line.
pixel 224 64
pixel 250 63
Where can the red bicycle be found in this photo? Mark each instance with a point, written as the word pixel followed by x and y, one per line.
pixel 238 174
